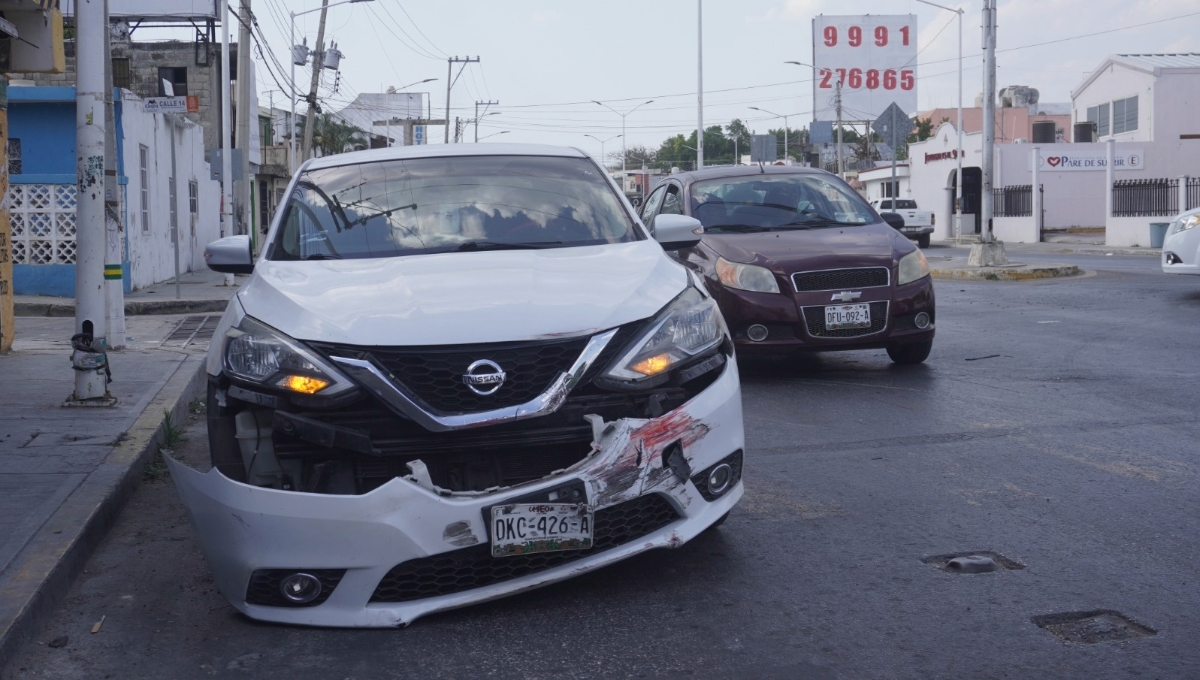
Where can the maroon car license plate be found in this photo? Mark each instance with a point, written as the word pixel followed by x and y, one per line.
pixel 847 316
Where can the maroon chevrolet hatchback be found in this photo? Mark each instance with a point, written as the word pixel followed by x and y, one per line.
pixel 799 262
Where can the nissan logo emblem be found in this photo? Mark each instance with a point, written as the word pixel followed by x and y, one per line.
pixel 484 377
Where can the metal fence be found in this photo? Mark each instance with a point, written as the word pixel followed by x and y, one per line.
pixel 1014 201
pixel 1193 193
pixel 1145 197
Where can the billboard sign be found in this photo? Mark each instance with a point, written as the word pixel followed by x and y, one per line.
pixel 180 10
pixel 874 57
pixel 419 134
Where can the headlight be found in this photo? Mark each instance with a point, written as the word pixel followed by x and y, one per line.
pixel 689 326
pixel 913 266
pixel 1187 223
pixel 260 354
pixel 746 276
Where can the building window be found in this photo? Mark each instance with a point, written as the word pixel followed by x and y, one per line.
pixel 144 170
pixel 14 156
pixel 121 73
pixel 1125 115
pixel 176 76
pixel 194 197
pixel 1099 116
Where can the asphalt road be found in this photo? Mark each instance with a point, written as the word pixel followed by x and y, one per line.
pixel 1054 424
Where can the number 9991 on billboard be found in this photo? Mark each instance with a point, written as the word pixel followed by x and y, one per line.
pixel 874 57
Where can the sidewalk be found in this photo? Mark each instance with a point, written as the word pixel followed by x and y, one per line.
pixel 1072 246
pixel 65 473
pixel 199 292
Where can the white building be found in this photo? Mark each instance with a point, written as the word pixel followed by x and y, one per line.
pixel 1142 98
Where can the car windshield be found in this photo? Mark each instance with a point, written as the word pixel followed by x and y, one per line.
pixel 758 202
pixel 900 205
pixel 427 205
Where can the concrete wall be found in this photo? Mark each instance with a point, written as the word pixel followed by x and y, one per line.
pixel 40 128
pixel 1119 82
pixel 1176 102
pixel 1016 229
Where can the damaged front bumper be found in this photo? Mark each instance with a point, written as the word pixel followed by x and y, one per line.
pixel 407 549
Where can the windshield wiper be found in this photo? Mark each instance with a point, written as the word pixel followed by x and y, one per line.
pixel 740 228
pixel 322 256
pixel 806 224
pixel 497 245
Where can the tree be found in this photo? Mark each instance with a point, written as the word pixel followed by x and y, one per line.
pixel 332 135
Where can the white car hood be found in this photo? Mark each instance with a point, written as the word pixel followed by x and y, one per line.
pixel 464 298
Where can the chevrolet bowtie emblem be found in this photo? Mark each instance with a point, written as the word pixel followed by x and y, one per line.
pixel 845 296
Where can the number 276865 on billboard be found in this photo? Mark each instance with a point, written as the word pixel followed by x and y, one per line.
pixel 874 57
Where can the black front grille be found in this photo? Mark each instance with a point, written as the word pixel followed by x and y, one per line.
pixel 841 279
pixel 814 319
pixel 435 374
pixel 264 586
pixel 474 567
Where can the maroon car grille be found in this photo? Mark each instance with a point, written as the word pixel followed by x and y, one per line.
pixel 840 279
pixel 474 567
pixel 814 319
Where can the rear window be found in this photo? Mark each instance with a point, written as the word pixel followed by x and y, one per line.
pixel 427 205
pixel 901 204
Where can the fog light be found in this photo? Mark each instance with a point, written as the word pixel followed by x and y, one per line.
pixel 719 478
pixel 757 332
pixel 300 588
pixel 922 320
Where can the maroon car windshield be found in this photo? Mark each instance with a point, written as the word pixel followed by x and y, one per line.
pixel 766 202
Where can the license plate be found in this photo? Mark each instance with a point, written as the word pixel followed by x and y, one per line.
pixel 847 316
pixel 526 528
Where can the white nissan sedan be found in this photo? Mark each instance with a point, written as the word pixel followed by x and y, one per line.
pixel 456 373
pixel 1181 247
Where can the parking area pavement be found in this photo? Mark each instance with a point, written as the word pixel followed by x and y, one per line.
pixel 1051 433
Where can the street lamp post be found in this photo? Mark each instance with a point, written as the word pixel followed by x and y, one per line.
pixel 476 122
pixel 324 7
pixel 622 115
pixel 502 132
pixel 814 96
pixel 395 90
pixel 602 143
pixel 785 127
pixel 958 206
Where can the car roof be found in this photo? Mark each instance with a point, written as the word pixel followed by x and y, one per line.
pixel 442 151
pixel 726 171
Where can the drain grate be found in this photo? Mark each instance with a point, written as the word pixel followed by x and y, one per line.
pixel 199 328
pixel 1100 625
pixel 977 562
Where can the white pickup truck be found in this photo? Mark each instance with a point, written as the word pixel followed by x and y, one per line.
pixel 918 224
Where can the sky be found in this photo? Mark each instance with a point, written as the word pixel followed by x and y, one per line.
pixel 546 61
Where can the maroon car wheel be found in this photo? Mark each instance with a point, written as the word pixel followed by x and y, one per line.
pixel 910 354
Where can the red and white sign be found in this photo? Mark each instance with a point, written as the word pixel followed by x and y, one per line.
pixel 1084 161
pixel 875 59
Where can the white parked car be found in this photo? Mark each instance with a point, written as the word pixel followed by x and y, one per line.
pixel 918 224
pixel 1181 246
pixel 457 372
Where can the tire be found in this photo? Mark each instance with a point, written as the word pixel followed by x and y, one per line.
pixel 914 353
pixel 923 241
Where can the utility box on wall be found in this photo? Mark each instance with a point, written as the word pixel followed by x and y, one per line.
pixel 37 46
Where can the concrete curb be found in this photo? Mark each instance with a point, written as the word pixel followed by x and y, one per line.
pixel 1065 248
pixel 1020 273
pixel 133 308
pixel 57 553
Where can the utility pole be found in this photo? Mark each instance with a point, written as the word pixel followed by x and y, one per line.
pixel 244 117
pixel 485 105
pixel 88 358
pixel 838 103
pixel 988 252
pixel 450 80
pixel 318 65
pixel 226 119
pixel 699 84
pixel 114 281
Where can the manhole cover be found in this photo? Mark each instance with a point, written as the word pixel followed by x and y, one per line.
pixel 976 562
pixel 1101 625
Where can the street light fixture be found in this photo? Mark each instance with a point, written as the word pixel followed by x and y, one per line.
pixel 785 127
pixel 602 143
pixel 476 122
pixel 315 65
pixel 958 207
pixel 395 90
pixel 502 132
pixel 622 115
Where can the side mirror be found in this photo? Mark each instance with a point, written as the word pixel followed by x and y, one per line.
pixel 894 219
pixel 676 232
pixel 230 255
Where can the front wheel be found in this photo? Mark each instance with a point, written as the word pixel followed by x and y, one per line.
pixel 914 353
pixel 923 241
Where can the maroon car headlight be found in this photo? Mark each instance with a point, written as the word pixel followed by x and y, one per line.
pixel 687 328
pixel 913 266
pixel 749 277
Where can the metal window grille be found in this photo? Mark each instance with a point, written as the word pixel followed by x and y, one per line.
pixel 122 74
pixel 1014 201
pixel 1193 193
pixel 193 197
pixel 43 223
pixel 144 169
pixel 1145 197
pixel 14 156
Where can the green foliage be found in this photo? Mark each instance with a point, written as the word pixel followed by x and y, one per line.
pixel 331 135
